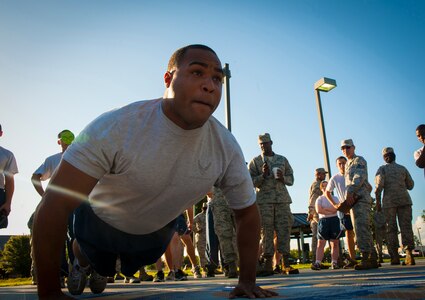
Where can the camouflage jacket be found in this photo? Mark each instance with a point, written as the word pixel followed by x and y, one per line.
pixel 314 193
pixel 268 189
pixel 356 181
pixel 395 180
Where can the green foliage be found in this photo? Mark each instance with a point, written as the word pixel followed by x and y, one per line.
pixel 16 259
pixel 423 215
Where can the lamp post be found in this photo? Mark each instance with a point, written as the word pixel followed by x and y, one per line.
pixel 325 85
pixel 420 241
pixel 227 76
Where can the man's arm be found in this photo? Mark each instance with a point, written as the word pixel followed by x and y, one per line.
pixel 420 160
pixel 330 198
pixel 9 187
pixel 36 182
pixel 248 238
pixel 65 192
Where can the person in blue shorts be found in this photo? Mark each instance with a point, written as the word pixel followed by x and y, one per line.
pixel 328 229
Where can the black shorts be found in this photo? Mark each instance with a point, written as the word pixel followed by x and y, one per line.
pixel 329 229
pixel 103 244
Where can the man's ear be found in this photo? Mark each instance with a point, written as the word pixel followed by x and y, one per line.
pixel 59 142
pixel 168 76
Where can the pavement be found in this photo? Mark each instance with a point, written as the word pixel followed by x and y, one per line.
pixel 387 282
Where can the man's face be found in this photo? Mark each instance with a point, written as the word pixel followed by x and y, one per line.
pixel 340 163
pixel 348 151
pixel 320 176
pixel 193 89
pixel 266 148
pixel 421 136
pixel 323 185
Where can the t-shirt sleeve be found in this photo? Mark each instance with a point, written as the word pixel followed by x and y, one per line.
pixel 237 184
pixel 94 150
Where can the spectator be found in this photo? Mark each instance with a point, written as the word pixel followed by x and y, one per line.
pixel 271 173
pixel 224 227
pixel 313 218
pixel 338 182
pixel 395 181
pixel 328 229
pixel 45 172
pixel 358 196
pixel 199 228
pixel 419 154
pixel 8 169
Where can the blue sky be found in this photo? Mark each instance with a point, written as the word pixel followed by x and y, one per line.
pixel 62 63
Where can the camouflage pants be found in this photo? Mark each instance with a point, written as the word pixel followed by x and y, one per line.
pixel 361 219
pixel 224 227
pixel 380 236
pixel 404 216
pixel 200 244
pixel 276 218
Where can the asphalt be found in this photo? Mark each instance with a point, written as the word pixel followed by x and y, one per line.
pixel 387 282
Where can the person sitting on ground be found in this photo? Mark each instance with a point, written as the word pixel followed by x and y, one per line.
pixel 328 229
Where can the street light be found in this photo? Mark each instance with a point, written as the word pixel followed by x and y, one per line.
pixel 325 85
pixel 227 76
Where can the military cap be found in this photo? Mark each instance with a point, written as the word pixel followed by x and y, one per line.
pixel 321 170
pixel 348 142
pixel 264 138
pixel 387 150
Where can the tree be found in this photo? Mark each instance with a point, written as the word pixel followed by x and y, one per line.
pixel 16 259
pixel 423 215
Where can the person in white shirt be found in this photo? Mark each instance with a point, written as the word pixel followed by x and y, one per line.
pixel 328 229
pixel 337 182
pixel 419 154
pixel 139 167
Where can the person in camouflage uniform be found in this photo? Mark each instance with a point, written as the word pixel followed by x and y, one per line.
pixel 224 227
pixel 419 154
pixel 313 217
pixel 395 180
pixel 274 203
pixel 199 228
pixel 358 193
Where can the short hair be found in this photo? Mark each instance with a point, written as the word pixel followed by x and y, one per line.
pixel 341 157
pixel 420 128
pixel 179 54
pixel 0 127
pixel 62 132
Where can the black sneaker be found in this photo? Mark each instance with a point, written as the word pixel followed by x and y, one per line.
pixel 180 275
pixel 159 277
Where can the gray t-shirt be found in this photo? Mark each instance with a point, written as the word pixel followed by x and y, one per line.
pixel 150 170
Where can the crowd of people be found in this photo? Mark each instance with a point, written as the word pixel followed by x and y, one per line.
pixel 117 192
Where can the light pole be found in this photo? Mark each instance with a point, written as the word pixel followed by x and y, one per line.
pixel 227 76
pixel 325 85
pixel 420 241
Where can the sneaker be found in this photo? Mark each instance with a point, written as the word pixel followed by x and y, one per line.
pixel 145 277
pixel 350 264
pixel 197 272
pixel 180 275
pixel 171 276
pixel 277 270
pixel 323 267
pixel 131 280
pixel 335 266
pixel 159 277
pixel 118 276
pixel 316 266
pixel 77 280
pixel 97 283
